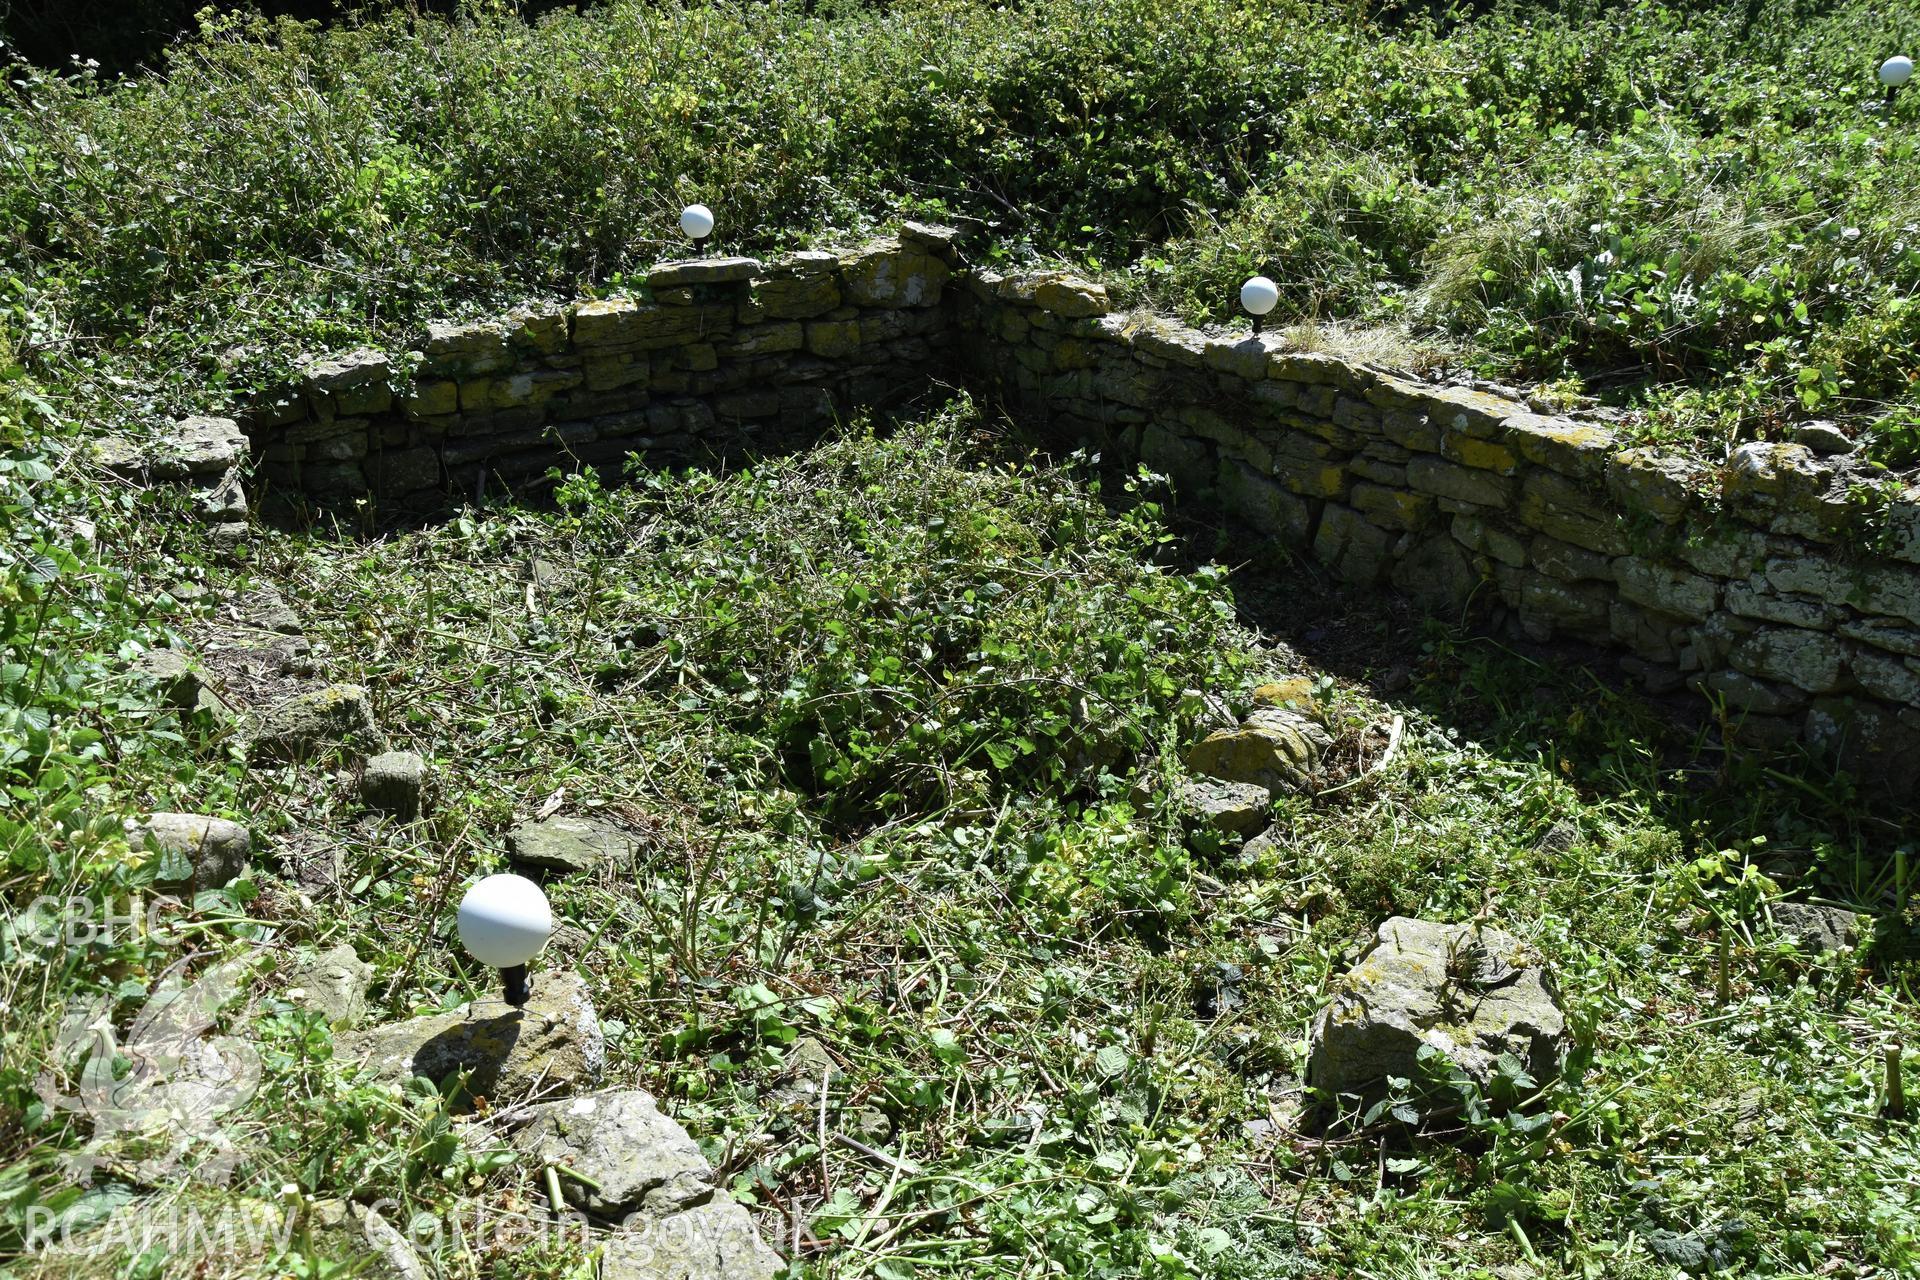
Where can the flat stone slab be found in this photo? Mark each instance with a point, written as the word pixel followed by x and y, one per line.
pixel 569 844
pixel 678 275
pixel 189 448
pixel 552 1047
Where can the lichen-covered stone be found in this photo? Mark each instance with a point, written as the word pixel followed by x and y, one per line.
pixel 1743 693
pixel 393 782
pixel 702 271
pixel 188 448
pixel 1674 591
pixel 195 851
pixel 1236 808
pixel 1816 929
pixel 1071 297
pixel 1809 660
pixel 1436 574
pixel 1763 471
pixel 1571 448
pixel 1391 508
pixel 1472 993
pixel 630 1156
pixel 1481 455
pixel 1351 546
pixel 552 1047
pixel 568 843
pixel 893 278
pixel 1659 484
pixel 307 722
pixel 1263 504
pixel 711 1241
pixel 353 384
pixel 1449 480
pixel 333 982
pixel 1570 512
pixel 1276 748
pixel 1885 676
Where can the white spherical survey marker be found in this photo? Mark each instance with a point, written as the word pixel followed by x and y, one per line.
pixel 1896 71
pixel 697 221
pixel 1259 296
pixel 504 921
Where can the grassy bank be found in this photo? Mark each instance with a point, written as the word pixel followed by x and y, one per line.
pixel 1709 223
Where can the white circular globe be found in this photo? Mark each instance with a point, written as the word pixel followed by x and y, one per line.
pixel 697 221
pixel 1896 71
pixel 504 921
pixel 1259 296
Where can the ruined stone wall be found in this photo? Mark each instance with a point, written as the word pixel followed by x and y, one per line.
pixel 1785 583
pixel 715 356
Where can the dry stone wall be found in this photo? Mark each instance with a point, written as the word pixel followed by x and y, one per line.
pixel 717 355
pixel 1784 584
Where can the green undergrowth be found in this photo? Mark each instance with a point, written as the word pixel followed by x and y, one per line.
pixel 1703 212
pixel 895 718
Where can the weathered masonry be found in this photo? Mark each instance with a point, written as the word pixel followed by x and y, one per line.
pixel 1785 584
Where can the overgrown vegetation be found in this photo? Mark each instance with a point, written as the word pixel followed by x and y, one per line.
pixel 1703 212
pixel 898 712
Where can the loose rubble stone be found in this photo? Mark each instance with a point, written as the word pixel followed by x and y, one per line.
pixel 711 1241
pixel 569 844
pixel 359 1236
pixel 1236 808
pixel 636 1157
pixel 1824 438
pixel 196 851
pixel 638 1166
pixel 307 722
pixel 1276 749
pixel 393 782
pixel 1818 929
pixel 1471 993
pixel 333 981
pixel 552 1047
pixel 176 679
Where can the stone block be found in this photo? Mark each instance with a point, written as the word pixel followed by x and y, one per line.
pixel 1070 296
pixel 1670 590
pixel 1567 562
pixel 1437 574
pixel 1263 504
pixel 1886 676
pixel 431 398
pixel 1429 474
pixel 1352 547
pixel 1243 358
pixel 1570 512
pixel 1660 485
pixel 1574 449
pixel 1809 660
pixel 891 276
pixel 1468 412
pixel 1479 454
pixel 768 339
pixel 694 272
pixel 1391 508
pixel 1744 693
pixel 832 339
